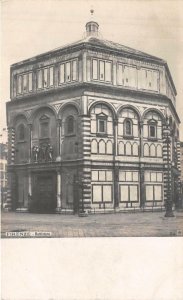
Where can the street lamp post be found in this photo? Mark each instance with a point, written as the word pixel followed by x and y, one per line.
pixel 168 204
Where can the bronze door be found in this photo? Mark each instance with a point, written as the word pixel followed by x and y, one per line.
pixel 45 193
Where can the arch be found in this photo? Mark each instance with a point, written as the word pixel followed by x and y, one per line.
pixel 135 149
pixel 67 104
pixel 128 148
pixel 153 110
pixel 109 147
pixel 104 103
pixel 102 147
pixel 121 148
pixel 18 116
pixel 128 106
pixel 152 150
pixel 94 146
pixel 159 150
pixel 38 109
pixel 146 149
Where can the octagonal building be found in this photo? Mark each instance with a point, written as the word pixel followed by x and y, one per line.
pixel 87 129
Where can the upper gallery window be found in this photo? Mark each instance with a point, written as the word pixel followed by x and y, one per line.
pixel 148 79
pixel 143 78
pixel 152 129
pixel 128 127
pixel 127 75
pixel 101 70
pixel 68 71
pixel 24 83
pixel 45 77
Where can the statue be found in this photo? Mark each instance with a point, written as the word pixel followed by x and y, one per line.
pixel 49 153
pixel 35 151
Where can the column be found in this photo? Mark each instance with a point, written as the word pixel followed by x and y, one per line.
pixel 116 168
pixel 59 124
pixel 142 188
pixel 141 167
pixel 58 190
pixel 179 204
pixel 11 160
pixel 167 170
pixel 29 184
pixel 30 142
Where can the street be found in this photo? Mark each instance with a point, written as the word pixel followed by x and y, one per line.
pixel 98 225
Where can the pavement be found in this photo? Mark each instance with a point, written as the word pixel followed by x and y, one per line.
pixel 138 224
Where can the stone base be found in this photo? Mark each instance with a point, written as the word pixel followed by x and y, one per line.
pixel 22 209
pixel 83 214
pixel 63 211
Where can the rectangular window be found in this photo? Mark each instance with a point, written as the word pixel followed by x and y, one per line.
pixel 158 192
pixel 102 193
pixel 152 131
pixel 129 193
pixel 95 69
pixel 159 177
pixel 62 73
pixel 133 193
pixel 97 193
pixel 51 76
pixel 74 70
pixel 128 176
pixel 135 176
pixel 120 74
pixel 122 176
pixel 142 79
pixel 94 175
pixel 102 175
pixel 153 176
pixel 30 81
pixel 149 193
pixel 45 78
pixel 39 79
pixel 20 84
pixel 155 80
pixel 102 126
pixel 124 193
pixel 130 76
pixel 108 71
pixel 101 70
pixel 24 83
pixel 107 193
pixel 154 193
pixel 68 71
pixel 108 175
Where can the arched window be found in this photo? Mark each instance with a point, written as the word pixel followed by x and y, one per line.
pixel 70 125
pixel 44 126
pixel 128 127
pixel 152 129
pixel 21 132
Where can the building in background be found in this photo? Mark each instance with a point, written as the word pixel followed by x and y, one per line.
pixel 87 122
pixel 3 165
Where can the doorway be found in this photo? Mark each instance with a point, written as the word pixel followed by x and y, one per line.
pixel 44 193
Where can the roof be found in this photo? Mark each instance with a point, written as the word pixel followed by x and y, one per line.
pixel 99 43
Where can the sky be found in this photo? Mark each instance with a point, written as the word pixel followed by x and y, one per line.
pixel 30 27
